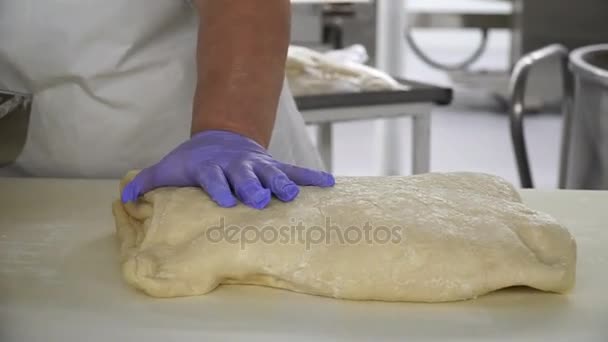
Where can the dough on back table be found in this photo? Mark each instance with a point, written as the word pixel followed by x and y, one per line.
pixel 451 236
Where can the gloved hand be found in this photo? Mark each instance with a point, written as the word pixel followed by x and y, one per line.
pixel 222 161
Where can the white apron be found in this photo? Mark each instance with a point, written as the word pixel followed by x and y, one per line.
pixel 113 83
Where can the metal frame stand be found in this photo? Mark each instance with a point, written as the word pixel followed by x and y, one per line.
pixel 421 132
pixel 390 57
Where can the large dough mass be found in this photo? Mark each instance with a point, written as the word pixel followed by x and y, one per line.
pixel 459 236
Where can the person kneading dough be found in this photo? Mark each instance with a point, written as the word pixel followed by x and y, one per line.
pixel 193 93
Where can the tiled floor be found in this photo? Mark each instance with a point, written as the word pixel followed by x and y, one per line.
pixel 471 135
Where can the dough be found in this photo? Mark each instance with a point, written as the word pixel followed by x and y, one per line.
pixel 456 236
pixel 310 72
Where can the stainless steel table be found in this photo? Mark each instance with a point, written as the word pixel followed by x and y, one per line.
pixel 417 102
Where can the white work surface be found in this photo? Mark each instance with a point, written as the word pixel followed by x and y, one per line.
pixel 60 281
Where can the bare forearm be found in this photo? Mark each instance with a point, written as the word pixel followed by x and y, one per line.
pixel 242 46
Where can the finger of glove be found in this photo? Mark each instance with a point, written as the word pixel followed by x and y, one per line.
pixel 248 188
pixel 308 177
pixel 211 178
pixel 278 183
pixel 142 183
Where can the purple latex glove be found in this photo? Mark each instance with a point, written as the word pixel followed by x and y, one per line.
pixel 227 166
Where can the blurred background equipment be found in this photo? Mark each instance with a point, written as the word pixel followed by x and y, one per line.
pixel 329 24
pixel 533 25
pixel 361 93
pixel 414 101
pixel 471 46
pixel 14 120
pixel 584 148
pixel 587 149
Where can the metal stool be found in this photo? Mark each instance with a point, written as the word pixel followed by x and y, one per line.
pixel 584 150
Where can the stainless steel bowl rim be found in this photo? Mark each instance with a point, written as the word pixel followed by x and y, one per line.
pixel 580 67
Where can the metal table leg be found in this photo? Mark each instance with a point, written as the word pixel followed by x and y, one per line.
pixel 324 143
pixel 390 52
pixel 390 132
pixel 421 142
pixel 391 148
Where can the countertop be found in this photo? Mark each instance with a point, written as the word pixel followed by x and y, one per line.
pixel 60 281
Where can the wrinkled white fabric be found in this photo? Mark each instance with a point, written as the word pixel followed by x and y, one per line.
pixel 113 83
